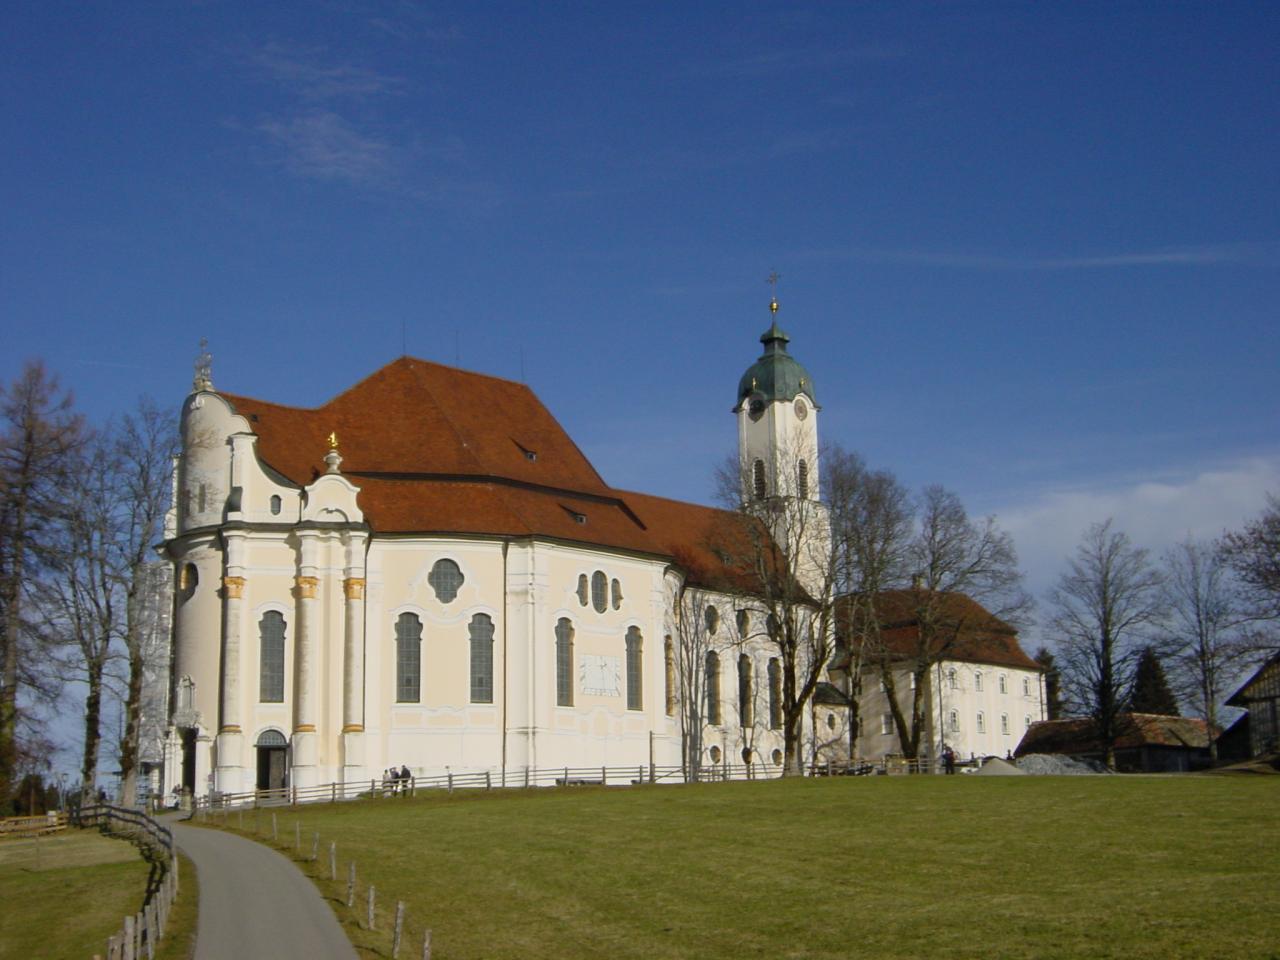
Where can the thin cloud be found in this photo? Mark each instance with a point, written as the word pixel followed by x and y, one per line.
pixel 324 146
pixel 305 72
pixel 1207 255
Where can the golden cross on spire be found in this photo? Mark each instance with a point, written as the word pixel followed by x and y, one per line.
pixel 333 441
pixel 774 277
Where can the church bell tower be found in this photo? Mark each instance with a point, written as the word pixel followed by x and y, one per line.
pixel 777 422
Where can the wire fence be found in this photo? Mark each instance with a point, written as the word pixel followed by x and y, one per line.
pixel 140 934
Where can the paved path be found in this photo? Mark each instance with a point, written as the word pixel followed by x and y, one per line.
pixel 255 903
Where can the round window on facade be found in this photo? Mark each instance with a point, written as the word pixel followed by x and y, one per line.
pixel 776 758
pixel 276 504
pixel 831 721
pixel 714 753
pixel 802 410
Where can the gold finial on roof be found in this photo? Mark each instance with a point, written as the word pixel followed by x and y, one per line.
pixel 773 279
pixel 333 441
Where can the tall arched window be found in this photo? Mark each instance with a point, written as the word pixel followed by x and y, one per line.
pixel 446 580
pixel 713 687
pixel 951 679
pixel 953 721
pixel 712 617
pixel 775 694
pixel 982 722
pixel 600 591
pixel 1004 724
pixel 408 658
pixel 635 666
pixel 582 589
pixel 757 480
pixel 746 711
pixel 271 664
pixel 977 680
pixel 1004 683
pixel 481 629
pixel 802 479
pixel 669 673
pixel 617 595
pixel 564 662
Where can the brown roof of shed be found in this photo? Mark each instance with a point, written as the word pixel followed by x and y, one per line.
pixel 1080 736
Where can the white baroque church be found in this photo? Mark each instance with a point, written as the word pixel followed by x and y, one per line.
pixel 427 571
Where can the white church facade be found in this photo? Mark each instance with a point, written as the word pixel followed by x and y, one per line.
pixel 426 571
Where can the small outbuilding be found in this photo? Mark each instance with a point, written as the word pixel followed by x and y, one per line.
pixel 1260 696
pixel 1147 742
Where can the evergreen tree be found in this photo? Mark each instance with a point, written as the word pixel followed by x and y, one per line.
pixel 1052 685
pixel 1151 692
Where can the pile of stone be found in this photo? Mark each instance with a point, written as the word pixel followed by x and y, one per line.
pixel 1053 765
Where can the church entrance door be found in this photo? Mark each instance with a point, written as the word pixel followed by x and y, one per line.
pixel 273 763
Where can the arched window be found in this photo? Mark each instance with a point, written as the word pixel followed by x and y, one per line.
pixel 802 479
pixel 1004 683
pixel 271 653
pixel 757 480
pixel 775 694
pixel 271 738
pixel 600 591
pixel 953 721
pixel 712 616
pixel 744 623
pixel 713 687
pixel 276 504
pixel 951 679
pixel 481 629
pixel 617 594
pixel 1026 686
pixel 635 664
pixel 188 580
pixel 445 579
pixel 977 680
pixel 1004 724
pixel 583 594
pixel 669 673
pixel 408 658
pixel 745 706
pixel 982 722
pixel 776 757
pixel 564 662
pixel 1026 722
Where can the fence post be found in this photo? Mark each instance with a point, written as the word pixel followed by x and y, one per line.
pixel 604 775
pixel 351 884
pixel 488 781
pixel 315 847
pixel 128 939
pixel 373 789
pixel 426 945
pixel 370 908
pixel 413 786
pixel 399 930
pixel 640 774
pixel 150 912
pixel 526 786
pixel 113 947
pixel 450 782
pixel 333 792
pixel 333 860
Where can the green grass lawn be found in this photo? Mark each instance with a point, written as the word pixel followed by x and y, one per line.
pixel 62 896
pixel 886 867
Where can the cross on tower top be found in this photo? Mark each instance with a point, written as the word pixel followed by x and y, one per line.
pixel 772 280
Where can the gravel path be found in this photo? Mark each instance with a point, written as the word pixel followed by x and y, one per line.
pixel 256 903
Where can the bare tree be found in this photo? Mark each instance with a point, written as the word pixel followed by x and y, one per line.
pixel 39 435
pixel 951 557
pixel 1204 637
pixel 1254 555
pixel 1103 606
pixel 779 547
pixel 871 517
pixel 142 451
pixel 692 641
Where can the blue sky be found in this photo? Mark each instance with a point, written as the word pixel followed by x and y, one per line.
pixel 1029 251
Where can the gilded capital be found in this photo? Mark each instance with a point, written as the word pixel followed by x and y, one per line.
pixel 233 587
pixel 353 587
pixel 305 728
pixel 307 587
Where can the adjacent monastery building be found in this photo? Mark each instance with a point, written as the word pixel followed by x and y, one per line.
pixel 427 571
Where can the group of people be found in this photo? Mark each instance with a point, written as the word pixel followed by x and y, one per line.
pixel 396 781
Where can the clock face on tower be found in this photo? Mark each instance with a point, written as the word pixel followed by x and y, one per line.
pixel 802 409
pixel 755 408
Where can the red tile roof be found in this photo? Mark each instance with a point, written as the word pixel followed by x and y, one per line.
pixel 439 450
pixel 970 632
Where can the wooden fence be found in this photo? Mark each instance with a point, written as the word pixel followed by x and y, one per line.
pixel 139 935
pixel 51 822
